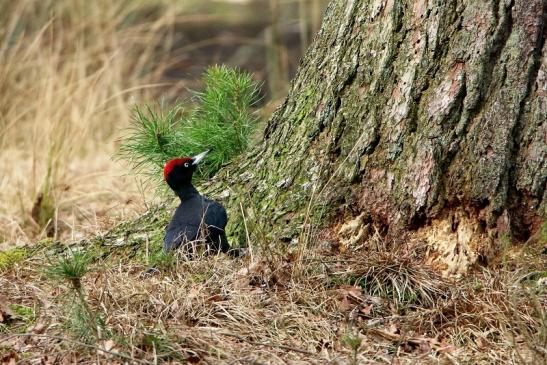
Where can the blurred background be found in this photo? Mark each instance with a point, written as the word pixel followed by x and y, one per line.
pixel 71 72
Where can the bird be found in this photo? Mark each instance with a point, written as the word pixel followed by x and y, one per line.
pixel 197 219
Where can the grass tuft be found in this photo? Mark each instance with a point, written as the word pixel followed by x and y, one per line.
pixel 399 276
pixel 82 321
pixel 353 341
pixel 72 268
pixel 82 324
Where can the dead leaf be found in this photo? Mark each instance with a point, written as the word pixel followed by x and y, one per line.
pixel 481 343
pixel 346 305
pixel 424 347
pixel 392 328
pixel 175 305
pixel 367 309
pixel 193 293
pixel 10 358
pixel 349 296
pixel 108 345
pixel 193 360
pixel 351 289
pixel 216 298
pixel 38 329
pixel 5 314
pixel 385 334
pixel 46 360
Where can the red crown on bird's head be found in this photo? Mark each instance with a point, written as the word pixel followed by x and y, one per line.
pixel 171 164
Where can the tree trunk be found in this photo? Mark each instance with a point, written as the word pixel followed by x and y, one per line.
pixel 419 117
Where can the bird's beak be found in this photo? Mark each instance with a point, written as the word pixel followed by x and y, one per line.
pixel 197 159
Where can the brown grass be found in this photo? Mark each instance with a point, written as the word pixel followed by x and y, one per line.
pixel 67 84
pixel 218 310
pixel 70 73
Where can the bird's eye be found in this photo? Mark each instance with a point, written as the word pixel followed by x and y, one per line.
pixel 186 164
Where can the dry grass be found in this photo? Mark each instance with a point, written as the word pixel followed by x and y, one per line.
pixel 67 84
pixel 280 310
pixel 68 81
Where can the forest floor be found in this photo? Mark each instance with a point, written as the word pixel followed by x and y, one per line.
pixel 370 303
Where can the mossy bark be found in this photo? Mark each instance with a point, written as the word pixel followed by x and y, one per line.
pixel 413 112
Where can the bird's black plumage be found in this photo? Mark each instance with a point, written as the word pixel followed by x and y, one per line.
pixel 197 220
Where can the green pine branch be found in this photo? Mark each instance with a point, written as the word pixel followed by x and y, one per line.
pixel 221 118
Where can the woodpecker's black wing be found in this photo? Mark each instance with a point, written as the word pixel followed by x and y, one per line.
pixel 215 218
pixel 175 236
pixel 190 217
pixel 185 224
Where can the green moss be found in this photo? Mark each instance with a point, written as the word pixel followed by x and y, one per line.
pixel 127 242
pixel 162 260
pixel 542 234
pixel 11 257
pixel 164 346
pixel 202 277
pixel 25 313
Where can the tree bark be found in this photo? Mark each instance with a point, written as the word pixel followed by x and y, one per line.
pixel 420 117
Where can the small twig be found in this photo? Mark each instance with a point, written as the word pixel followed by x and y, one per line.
pixel 247 232
pixel 123 356
pixel 273 345
pixel 540 349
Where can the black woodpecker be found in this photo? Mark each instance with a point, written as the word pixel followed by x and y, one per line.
pixel 197 220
